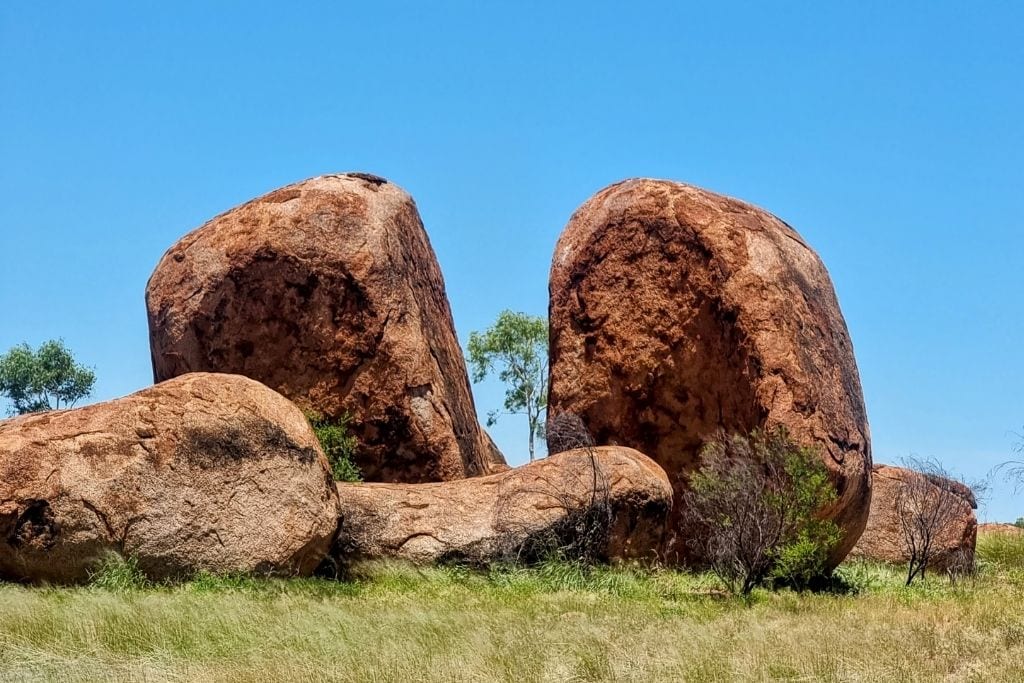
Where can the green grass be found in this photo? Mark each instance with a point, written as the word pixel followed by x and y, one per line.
pixel 1001 550
pixel 552 623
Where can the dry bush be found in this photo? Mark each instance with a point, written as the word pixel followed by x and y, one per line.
pixel 928 504
pixel 752 510
pixel 582 495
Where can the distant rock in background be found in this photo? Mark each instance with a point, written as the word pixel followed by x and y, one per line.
pixel 201 473
pixel 1000 529
pixel 676 312
pixel 329 292
pixel 883 537
pixel 563 500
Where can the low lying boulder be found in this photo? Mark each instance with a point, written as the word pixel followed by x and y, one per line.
pixel 884 537
pixel 204 472
pixel 603 503
pixel 1000 529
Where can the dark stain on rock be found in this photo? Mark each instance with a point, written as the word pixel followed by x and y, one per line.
pixel 374 180
pixel 36 528
pixel 249 439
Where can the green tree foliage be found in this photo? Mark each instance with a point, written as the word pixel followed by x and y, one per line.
pixel 338 444
pixel 47 378
pixel 752 507
pixel 517 347
pixel 1019 522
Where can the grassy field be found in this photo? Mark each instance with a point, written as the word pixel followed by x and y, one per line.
pixel 554 623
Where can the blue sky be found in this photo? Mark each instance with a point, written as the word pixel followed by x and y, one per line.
pixel 891 138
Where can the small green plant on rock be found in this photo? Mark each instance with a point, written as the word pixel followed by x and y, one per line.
pixel 338 444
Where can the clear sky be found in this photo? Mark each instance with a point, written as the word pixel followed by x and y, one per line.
pixel 891 138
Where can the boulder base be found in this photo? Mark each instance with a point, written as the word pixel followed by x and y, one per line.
pixel 329 292
pixel 204 472
pixel 676 312
pixel 511 515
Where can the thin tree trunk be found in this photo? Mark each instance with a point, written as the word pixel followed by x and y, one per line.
pixel 533 429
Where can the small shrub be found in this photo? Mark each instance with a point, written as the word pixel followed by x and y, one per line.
pixel 752 507
pixel 339 446
pixel 1019 523
pixel 801 563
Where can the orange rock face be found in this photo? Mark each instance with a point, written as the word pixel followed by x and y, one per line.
pixel 329 292
pixel 676 312
pixel 883 537
pixel 487 519
pixel 204 472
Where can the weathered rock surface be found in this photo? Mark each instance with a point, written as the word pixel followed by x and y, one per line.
pixel 500 516
pixel 676 312
pixel 883 537
pixel 204 472
pixel 329 292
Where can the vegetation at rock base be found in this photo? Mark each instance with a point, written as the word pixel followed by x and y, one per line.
pixel 556 622
pixel 338 444
pixel 753 509
pixel 927 506
pixel 516 345
pixel 47 378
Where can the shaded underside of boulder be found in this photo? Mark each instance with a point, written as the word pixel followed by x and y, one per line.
pixel 519 514
pixel 329 292
pixel 676 313
pixel 884 538
pixel 204 472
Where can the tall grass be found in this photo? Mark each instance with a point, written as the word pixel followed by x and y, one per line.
pixel 557 622
pixel 1003 550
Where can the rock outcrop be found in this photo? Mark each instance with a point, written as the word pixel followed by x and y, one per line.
pixel 955 533
pixel 329 292
pixel 676 312
pixel 616 498
pixel 205 472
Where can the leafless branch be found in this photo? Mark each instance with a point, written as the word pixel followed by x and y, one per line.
pixel 928 504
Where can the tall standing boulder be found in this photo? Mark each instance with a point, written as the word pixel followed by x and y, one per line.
pixel 329 292
pixel 204 472
pixel 676 312
pixel 942 509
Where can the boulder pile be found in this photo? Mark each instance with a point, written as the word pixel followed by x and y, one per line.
pixel 676 312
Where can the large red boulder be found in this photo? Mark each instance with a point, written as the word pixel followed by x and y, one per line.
pixel 676 312
pixel 329 292
pixel 205 472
